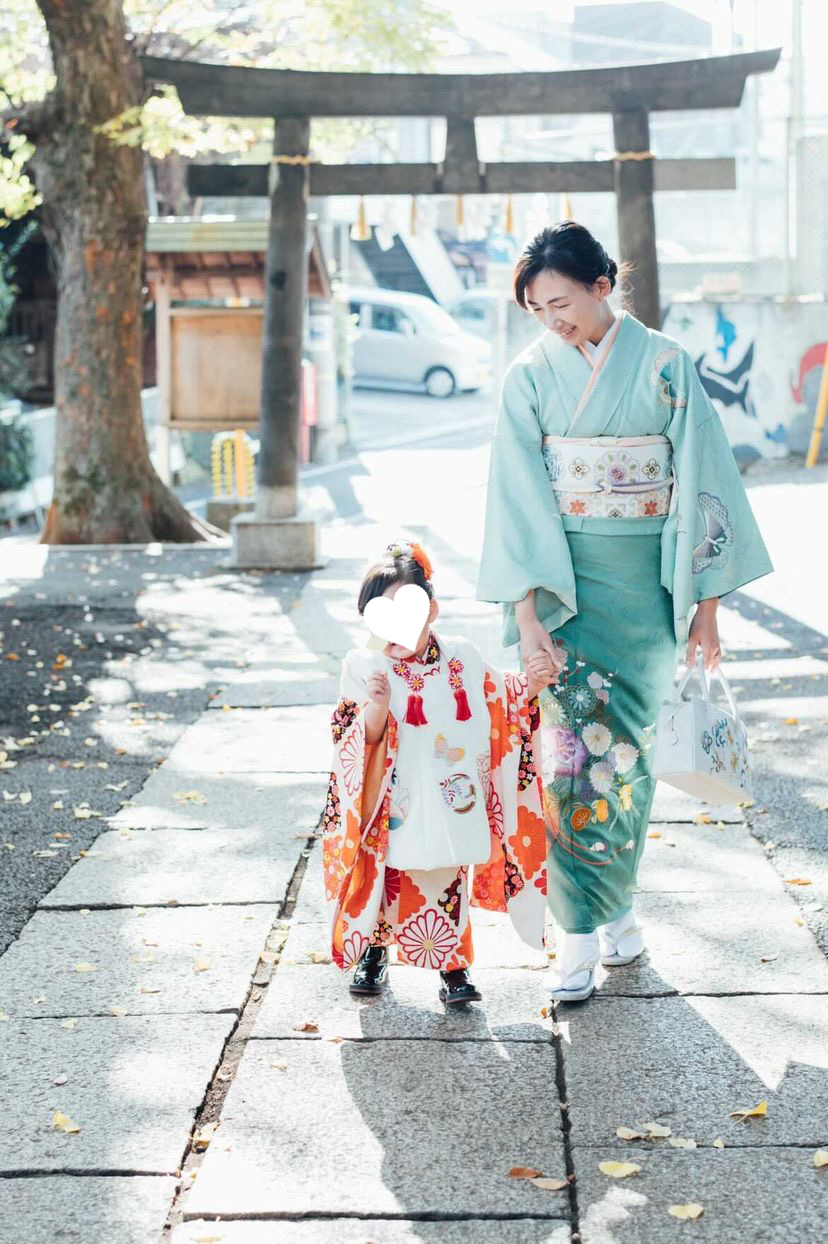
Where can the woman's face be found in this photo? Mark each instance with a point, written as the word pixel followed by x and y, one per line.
pixel 574 312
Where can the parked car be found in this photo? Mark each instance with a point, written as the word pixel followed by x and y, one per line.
pixel 406 341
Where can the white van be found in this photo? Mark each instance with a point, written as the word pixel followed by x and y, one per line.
pixel 406 341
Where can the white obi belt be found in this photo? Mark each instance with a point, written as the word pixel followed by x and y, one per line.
pixel 610 476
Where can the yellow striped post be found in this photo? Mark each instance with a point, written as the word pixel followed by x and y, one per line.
pixel 819 417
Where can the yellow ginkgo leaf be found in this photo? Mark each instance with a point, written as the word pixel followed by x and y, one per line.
pixel 86 967
pixel 693 1210
pixel 718 1143
pixel 628 1133
pixel 655 1129
pixel 68 1023
pixel 63 1123
pixel 618 1170
pixel 758 1112
pixel 797 881
pixel 550 1185
pixel 821 1158
pixel 201 965
pixel 204 1135
pixel 703 818
pixel 681 1142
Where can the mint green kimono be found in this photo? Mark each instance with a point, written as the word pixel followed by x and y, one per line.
pixel 616 592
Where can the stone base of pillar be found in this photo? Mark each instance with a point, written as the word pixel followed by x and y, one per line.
pixel 275 543
pixel 220 510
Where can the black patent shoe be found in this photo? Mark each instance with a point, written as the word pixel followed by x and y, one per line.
pixel 457 988
pixel 370 973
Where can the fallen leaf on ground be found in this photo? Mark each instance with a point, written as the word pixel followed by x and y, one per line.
pixel 190 796
pixel 757 1112
pixel 769 958
pixel 68 1023
pixel 64 1124
pixel 629 1133
pixel 551 1185
pixel 86 967
pixel 279 1066
pixel 204 1135
pixel 117 1010
pixel 718 1143
pixel 306 1027
pixel 150 989
pixel 319 956
pixel 797 881
pixel 791 721
pixel 524 1172
pixel 201 965
pixel 618 1170
pixel 656 833
pixel 268 956
pixel 821 1158
pixel 656 1130
pixel 681 1142
pixel 60 1080
pixel 703 818
pixel 693 1210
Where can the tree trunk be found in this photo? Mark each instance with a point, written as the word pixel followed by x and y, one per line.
pixel 105 488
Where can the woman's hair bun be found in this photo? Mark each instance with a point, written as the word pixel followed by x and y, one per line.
pixel 612 268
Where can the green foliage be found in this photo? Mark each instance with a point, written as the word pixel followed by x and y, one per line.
pixel 16 454
pixel 14 365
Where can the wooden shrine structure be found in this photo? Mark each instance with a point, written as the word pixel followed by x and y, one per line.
pixel 629 93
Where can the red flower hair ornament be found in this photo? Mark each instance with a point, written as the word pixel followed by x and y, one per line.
pixel 402 548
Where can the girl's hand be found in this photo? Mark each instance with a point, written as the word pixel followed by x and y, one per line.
pixel 542 670
pixel 534 640
pixel 704 634
pixel 379 690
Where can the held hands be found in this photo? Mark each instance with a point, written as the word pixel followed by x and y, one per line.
pixel 542 670
pixel 704 634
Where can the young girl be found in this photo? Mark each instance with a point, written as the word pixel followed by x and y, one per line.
pixel 433 774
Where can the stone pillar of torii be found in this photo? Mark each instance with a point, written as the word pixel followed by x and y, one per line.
pixel 275 535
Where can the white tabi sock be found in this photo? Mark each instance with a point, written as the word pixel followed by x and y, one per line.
pixel 576 953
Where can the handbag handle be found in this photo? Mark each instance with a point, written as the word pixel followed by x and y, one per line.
pixel 698 671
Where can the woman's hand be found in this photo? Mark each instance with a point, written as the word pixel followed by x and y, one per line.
pixel 535 638
pixel 542 670
pixel 704 634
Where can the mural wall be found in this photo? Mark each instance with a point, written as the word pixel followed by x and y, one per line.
pixel 761 364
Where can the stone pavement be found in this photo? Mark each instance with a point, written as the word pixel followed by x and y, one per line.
pixel 171 995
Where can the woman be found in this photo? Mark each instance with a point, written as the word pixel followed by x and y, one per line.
pixel 615 508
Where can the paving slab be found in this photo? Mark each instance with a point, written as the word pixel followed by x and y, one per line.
pixel 707 944
pixel 133 1085
pixel 762 1196
pixel 250 740
pixel 671 804
pixel 716 857
pixel 305 679
pixel 413 1127
pixel 496 944
pixel 184 959
pixel 689 1062
pixel 376 1231
pixel 409 1007
pixel 282 803
pixel 179 866
pixel 106 1209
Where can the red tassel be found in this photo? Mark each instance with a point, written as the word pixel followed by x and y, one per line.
pixel 414 714
pixel 463 710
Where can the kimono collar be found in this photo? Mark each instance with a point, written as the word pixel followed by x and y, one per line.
pixel 431 654
pixel 594 393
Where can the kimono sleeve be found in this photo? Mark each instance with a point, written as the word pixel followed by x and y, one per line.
pixel 524 545
pixel 514 879
pixel 711 543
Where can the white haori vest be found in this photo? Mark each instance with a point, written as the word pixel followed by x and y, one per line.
pixel 440 784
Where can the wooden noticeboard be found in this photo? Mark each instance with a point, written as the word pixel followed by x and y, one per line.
pixel 214 369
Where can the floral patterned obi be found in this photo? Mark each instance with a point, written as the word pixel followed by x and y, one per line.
pixel 610 476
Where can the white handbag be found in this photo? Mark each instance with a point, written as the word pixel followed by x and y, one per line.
pixel 701 746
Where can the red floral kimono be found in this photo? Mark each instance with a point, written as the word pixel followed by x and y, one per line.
pixel 426 911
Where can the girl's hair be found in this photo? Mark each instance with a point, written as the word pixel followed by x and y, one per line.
pixel 384 574
pixel 568 248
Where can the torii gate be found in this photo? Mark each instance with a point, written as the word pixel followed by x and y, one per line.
pixel 274 536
